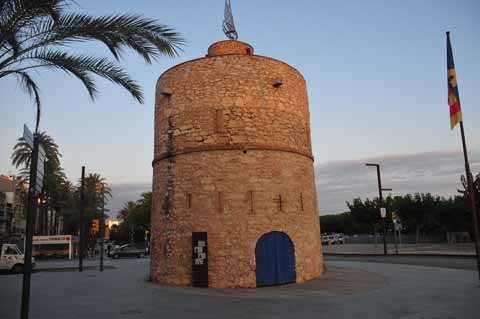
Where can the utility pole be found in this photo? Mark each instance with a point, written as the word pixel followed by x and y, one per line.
pixel 102 226
pixel 82 221
pixel 380 196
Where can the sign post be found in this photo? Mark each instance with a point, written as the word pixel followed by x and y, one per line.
pixel 394 219
pixel 35 187
pixel 383 211
pixel 383 214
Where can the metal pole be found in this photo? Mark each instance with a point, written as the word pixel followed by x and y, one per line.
pixel 471 192
pixel 400 236
pixel 32 205
pixel 395 236
pixel 102 228
pixel 381 205
pixel 82 221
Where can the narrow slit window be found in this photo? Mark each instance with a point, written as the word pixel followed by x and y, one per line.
pixel 279 203
pixel 301 202
pixel 220 202
pixel 250 200
pixel 219 121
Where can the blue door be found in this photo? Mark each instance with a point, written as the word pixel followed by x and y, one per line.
pixel 275 259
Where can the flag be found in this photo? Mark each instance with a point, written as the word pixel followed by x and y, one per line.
pixel 453 97
pixel 228 24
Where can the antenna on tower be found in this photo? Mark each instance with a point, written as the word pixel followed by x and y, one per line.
pixel 228 24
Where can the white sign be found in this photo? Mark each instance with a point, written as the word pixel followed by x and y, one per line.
pixel 200 254
pixel 59 239
pixel 27 135
pixel 383 212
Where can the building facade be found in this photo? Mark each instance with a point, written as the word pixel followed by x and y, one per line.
pixel 233 159
pixel 12 208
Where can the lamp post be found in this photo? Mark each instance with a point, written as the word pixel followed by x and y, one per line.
pixel 380 189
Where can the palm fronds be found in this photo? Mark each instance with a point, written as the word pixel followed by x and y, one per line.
pixel 22 152
pixel 35 34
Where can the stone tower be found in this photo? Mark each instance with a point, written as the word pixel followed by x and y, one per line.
pixel 233 159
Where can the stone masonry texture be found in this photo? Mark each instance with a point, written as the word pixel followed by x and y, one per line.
pixel 232 158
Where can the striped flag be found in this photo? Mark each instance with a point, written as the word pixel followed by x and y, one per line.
pixel 453 97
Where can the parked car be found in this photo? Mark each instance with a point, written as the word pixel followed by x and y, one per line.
pixel 127 250
pixel 328 240
pixel 12 258
pixel 339 239
pixel 334 239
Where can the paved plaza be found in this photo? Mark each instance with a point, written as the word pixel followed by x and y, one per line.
pixel 349 289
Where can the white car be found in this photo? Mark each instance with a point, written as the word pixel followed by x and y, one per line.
pixel 328 240
pixel 12 258
pixel 339 239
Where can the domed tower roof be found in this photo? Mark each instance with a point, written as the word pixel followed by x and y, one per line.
pixel 230 47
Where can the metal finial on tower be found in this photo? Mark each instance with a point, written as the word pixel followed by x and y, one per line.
pixel 228 24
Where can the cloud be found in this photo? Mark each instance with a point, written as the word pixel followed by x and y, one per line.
pixel 436 172
pixel 124 192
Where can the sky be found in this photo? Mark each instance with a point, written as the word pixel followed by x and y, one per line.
pixel 376 79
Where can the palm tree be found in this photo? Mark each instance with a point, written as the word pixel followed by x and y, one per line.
pixel 93 184
pixel 34 35
pixel 22 151
pixel 96 194
pixel 53 176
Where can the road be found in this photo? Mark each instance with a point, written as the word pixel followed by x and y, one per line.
pixel 347 290
pixel 467 263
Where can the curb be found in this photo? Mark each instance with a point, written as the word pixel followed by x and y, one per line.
pixel 399 255
pixel 65 269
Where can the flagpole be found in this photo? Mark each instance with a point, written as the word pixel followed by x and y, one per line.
pixel 471 195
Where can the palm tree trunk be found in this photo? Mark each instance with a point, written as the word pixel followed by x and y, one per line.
pixel 55 224
pixel 45 220
pixel 50 224
pixel 54 220
pixel 40 221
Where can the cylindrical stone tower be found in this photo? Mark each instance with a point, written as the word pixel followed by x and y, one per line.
pixel 233 159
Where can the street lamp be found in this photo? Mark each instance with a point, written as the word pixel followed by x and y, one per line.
pixel 380 189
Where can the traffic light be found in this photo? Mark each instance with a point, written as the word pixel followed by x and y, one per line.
pixel 98 188
pixel 107 233
pixel 95 225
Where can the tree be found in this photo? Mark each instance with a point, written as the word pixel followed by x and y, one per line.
pixel 421 214
pixel 135 217
pixel 465 196
pixel 117 235
pixel 94 184
pixel 35 35
pixel 53 178
pixel 96 193
pixel 366 213
pixel 22 152
pixel 341 223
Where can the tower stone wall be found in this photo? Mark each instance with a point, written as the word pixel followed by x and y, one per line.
pixel 232 158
